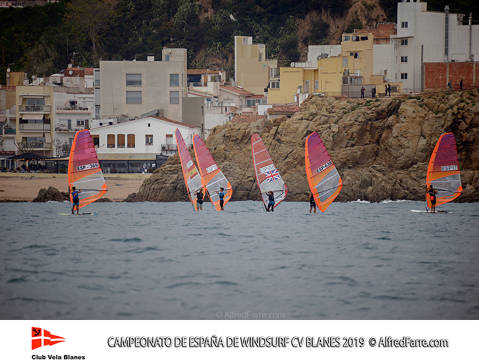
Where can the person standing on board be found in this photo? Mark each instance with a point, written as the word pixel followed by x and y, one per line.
pixel 199 199
pixel 432 196
pixel 75 200
pixel 221 194
pixel 270 202
pixel 312 203
pixel 362 92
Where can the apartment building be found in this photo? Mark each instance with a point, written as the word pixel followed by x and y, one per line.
pixel 252 69
pixel 34 119
pixel 134 88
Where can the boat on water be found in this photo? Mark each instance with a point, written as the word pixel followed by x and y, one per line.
pixel 323 178
pixel 190 172
pixel 84 171
pixel 212 177
pixel 443 171
pixel 267 176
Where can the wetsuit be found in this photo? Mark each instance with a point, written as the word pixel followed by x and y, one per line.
pixel 75 201
pixel 270 202
pixel 432 196
pixel 199 199
pixel 222 196
pixel 312 203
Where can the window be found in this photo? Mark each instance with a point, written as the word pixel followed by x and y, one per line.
pixel 97 111
pixel 148 125
pixel 169 139
pixel 35 101
pixel 120 141
pixel 403 59
pixel 133 79
pixel 174 97
pixel 346 37
pixel 167 57
pixel 306 86
pixel 364 38
pixel 345 61
pixel 403 41
pixel 80 122
pixel 260 57
pixel 174 80
pixel 250 102
pixel 96 141
pixel 316 84
pixel 274 84
pixel 131 140
pixel 149 139
pixel 70 141
pixel 110 141
pixel 404 24
pixel 133 97
pixel 403 75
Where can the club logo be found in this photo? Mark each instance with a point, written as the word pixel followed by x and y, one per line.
pixel 42 337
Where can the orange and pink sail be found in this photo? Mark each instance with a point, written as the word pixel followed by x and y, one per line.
pixel 267 176
pixel 323 178
pixel 84 172
pixel 211 176
pixel 443 171
pixel 190 172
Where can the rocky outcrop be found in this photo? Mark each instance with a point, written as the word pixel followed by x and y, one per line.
pixel 380 146
pixel 51 194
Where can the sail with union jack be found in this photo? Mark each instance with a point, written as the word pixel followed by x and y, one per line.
pixel 267 176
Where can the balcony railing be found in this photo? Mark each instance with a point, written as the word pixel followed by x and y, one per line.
pixel 9 131
pixel 35 145
pixel 168 147
pixel 35 127
pixel 34 108
pixel 64 128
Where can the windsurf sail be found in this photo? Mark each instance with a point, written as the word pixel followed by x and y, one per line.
pixel 267 176
pixel 190 172
pixel 211 176
pixel 323 177
pixel 443 171
pixel 84 172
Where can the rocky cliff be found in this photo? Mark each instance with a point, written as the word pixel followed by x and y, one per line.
pixel 380 146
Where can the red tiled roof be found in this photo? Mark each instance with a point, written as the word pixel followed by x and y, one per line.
pixel 202 71
pixel 172 121
pixel 235 89
pixel 88 71
pixel 283 109
pixel 255 96
pixel 74 72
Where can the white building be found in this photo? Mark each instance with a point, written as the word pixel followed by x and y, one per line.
pixel 316 52
pixel 140 140
pixel 427 36
pixel 73 112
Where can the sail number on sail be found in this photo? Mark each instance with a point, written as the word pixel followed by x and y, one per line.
pixel 447 168
pixel 324 166
pixel 88 166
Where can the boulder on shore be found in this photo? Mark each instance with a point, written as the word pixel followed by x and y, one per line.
pixel 51 194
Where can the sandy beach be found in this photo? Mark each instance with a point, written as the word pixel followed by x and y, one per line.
pixel 25 186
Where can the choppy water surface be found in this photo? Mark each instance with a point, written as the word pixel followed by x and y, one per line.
pixel 162 261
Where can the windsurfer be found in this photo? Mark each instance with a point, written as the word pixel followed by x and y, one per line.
pixel 221 194
pixel 432 196
pixel 312 203
pixel 75 200
pixel 270 202
pixel 199 199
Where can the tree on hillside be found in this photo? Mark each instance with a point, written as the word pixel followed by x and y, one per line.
pixel 87 19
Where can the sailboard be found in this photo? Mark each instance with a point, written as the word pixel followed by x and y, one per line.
pixel 84 172
pixel 211 176
pixel 443 171
pixel 267 176
pixel 190 172
pixel 323 178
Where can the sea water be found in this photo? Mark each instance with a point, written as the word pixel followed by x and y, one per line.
pixel 163 261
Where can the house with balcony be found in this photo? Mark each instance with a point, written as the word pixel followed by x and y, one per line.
pixel 134 145
pixel 73 112
pixel 34 119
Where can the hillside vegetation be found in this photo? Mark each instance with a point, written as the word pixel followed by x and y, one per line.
pixel 43 40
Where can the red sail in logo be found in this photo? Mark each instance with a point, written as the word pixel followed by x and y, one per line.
pixel 42 337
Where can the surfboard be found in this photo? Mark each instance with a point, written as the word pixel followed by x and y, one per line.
pixel 443 171
pixel 211 176
pixel 424 211
pixel 267 176
pixel 190 172
pixel 323 178
pixel 84 171
pixel 80 214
